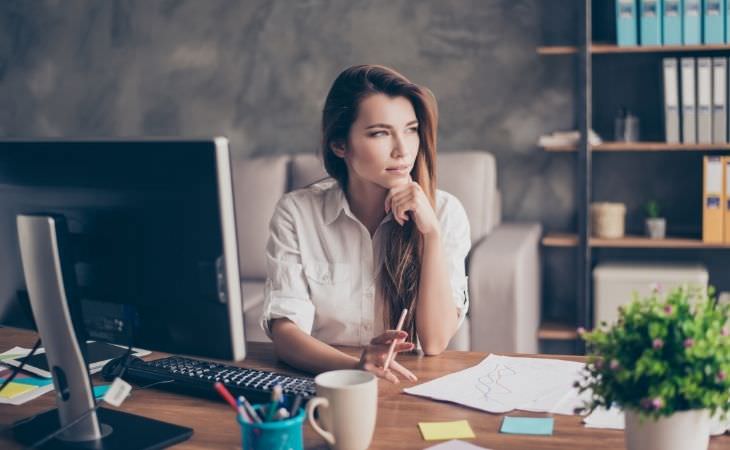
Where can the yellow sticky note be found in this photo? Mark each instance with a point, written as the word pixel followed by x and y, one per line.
pixel 14 389
pixel 459 429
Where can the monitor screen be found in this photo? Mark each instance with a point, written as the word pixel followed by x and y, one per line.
pixel 151 238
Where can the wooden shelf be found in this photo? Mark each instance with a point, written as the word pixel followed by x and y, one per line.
pixel 644 147
pixel 606 49
pixel 557 50
pixel 657 147
pixel 598 49
pixel 557 332
pixel 560 240
pixel 560 148
pixel 571 240
pixel 644 242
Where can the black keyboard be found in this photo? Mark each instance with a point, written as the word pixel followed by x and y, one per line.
pixel 196 377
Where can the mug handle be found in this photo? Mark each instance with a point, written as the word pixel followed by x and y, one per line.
pixel 311 406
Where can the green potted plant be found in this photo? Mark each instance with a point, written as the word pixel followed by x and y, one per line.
pixel 666 363
pixel 656 225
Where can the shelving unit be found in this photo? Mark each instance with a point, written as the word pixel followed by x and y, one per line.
pixel 586 249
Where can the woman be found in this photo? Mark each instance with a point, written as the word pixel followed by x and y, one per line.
pixel 346 255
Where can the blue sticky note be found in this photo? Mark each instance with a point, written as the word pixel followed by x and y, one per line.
pixel 527 425
pixel 100 391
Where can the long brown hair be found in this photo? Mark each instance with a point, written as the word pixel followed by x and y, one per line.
pixel 401 271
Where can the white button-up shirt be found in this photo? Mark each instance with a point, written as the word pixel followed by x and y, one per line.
pixel 322 265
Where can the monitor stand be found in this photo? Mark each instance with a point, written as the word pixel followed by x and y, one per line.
pixel 50 280
pixel 119 430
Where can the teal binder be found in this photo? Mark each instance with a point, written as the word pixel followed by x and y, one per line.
pixel 650 20
pixel 626 23
pixel 714 21
pixel 727 20
pixel 692 21
pixel 672 24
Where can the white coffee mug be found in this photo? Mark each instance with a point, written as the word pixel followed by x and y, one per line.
pixel 349 406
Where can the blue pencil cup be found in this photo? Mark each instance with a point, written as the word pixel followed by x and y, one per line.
pixel 277 435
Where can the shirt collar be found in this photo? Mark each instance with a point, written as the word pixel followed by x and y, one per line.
pixel 336 203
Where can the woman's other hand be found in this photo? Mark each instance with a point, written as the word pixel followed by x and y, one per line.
pixel 374 355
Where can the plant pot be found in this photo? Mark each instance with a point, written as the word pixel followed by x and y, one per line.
pixel 607 220
pixel 656 227
pixel 684 430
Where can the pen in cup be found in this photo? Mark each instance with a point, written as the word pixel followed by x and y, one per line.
pixel 295 405
pixel 242 413
pixel 221 389
pixel 276 396
pixel 282 414
pixel 249 409
pixel 390 356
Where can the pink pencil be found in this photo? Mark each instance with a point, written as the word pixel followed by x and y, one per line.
pixel 391 356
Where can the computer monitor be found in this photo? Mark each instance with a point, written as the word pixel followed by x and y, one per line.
pixel 140 234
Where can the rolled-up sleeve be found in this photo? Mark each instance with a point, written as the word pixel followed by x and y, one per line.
pixel 457 243
pixel 285 294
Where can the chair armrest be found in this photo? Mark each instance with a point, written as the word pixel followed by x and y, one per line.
pixel 504 287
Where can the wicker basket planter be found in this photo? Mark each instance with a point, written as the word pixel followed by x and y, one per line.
pixel 607 220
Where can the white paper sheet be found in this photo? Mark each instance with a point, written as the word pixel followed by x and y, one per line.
pixel 605 418
pixel 500 384
pixel 93 367
pixel 19 352
pixel 456 445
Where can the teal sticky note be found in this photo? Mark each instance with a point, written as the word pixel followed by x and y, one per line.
pixel 31 380
pixel 99 391
pixel 34 381
pixel 527 425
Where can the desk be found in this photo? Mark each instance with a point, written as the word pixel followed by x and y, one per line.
pixel 398 413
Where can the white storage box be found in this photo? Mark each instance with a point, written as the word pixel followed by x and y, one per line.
pixel 615 283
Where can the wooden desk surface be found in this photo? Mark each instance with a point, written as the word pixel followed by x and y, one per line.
pixel 398 413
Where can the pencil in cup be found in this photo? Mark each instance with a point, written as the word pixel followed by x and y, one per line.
pixel 282 434
pixel 391 355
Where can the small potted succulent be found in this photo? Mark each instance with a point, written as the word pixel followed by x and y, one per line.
pixel 656 226
pixel 666 363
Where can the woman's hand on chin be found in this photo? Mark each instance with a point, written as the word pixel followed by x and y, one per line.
pixel 374 355
pixel 409 197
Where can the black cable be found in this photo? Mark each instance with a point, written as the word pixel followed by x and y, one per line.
pixel 17 369
pixel 13 374
pixel 126 356
pixel 129 320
